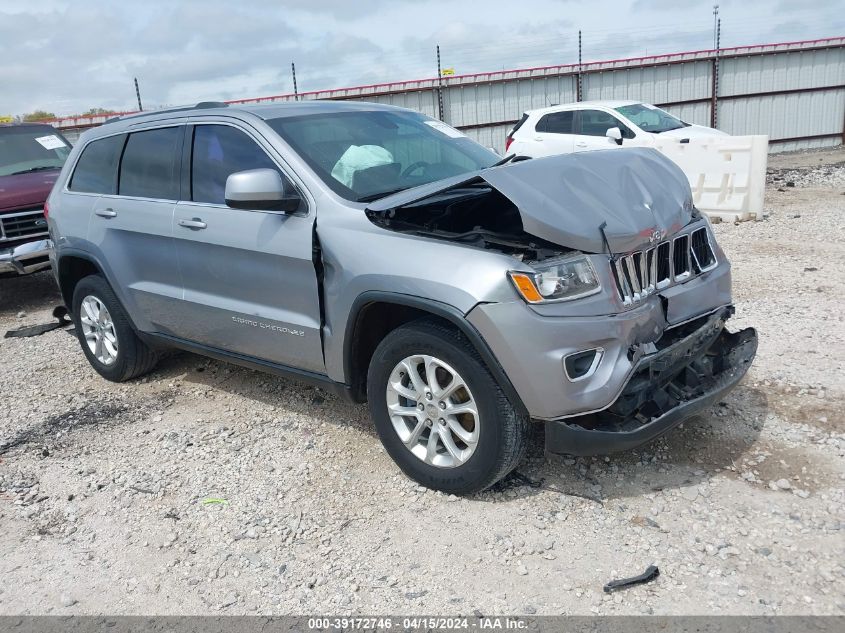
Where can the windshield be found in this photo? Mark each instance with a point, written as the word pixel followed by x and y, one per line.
pixel 650 118
pixel 27 149
pixel 365 155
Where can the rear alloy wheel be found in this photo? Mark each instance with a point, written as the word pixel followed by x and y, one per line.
pixel 439 412
pixel 98 330
pixel 105 333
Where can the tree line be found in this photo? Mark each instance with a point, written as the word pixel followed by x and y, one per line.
pixel 42 115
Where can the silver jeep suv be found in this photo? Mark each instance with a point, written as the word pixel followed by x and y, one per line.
pixel 384 255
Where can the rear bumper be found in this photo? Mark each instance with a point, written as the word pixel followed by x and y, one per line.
pixel 27 258
pixel 680 380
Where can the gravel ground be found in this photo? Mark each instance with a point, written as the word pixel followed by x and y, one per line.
pixel 207 488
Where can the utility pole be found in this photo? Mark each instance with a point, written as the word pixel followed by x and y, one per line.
pixel 715 26
pixel 293 72
pixel 439 86
pixel 714 99
pixel 138 95
pixel 578 85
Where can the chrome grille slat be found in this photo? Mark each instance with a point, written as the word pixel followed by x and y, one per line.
pixel 622 283
pixel 642 273
pixel 680 257
pixel 629 262
pixel 644 268
pixel 664 265
pixel 652 269
pixel 702 250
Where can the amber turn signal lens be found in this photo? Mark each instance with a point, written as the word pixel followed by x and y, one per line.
pixel 526 287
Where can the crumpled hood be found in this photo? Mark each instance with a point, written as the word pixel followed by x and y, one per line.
pixel 638 192
pixel 26 190
pixel 564 199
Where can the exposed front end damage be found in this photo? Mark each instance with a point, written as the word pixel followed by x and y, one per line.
pixel 645 347
pixel 471 213
pixel 559 200
pixel 693 366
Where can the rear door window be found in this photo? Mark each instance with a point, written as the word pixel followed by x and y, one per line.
pixel 96 170
pixel 149 168
pixel 218 152
pixel 557 123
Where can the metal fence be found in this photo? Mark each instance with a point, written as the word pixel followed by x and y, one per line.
pixel 794 92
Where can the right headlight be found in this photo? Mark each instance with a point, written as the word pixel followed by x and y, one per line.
pixel 557 280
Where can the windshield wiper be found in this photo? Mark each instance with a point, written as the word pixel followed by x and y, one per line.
pixel 513 158
pixel 375 196
pixel 516 158
pixel 669 129
pixel 504 161
pixel 32 169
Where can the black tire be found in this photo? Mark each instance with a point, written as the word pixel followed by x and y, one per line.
pixel 503 431
pixel 134 358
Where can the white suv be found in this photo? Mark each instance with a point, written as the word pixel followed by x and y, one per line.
pixel 588 125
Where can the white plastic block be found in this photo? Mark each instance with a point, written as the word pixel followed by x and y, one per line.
pixel 727 174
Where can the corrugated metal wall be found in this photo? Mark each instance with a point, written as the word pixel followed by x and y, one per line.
pixel 799 110
pixel 786 94
pixel 793 92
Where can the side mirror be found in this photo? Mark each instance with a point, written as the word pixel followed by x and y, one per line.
pixel 260 190
pixel 614 133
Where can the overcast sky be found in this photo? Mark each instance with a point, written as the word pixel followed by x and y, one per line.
pixel 66 57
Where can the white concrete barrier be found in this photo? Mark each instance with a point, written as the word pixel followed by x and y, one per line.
pixel 727 174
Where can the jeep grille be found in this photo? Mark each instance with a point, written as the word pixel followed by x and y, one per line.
pixel 640 274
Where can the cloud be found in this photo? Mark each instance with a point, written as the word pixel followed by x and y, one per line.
pixel 216 49
pixel 68 56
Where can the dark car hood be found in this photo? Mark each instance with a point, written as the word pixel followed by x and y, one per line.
pixel 638 192
pixel 26 190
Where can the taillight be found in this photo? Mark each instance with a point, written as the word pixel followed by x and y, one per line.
pixel 508 142
pixel 46 210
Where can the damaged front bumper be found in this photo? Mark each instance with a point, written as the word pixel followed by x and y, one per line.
pixel 693 367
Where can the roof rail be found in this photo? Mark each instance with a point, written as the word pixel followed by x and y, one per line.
pixel 202 105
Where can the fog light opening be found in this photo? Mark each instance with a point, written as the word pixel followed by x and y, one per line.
pixel 582 365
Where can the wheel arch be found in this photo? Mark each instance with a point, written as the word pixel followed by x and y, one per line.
pixel 74 265
pixel 376 313
pixel 71 268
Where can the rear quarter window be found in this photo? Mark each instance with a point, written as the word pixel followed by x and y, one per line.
pixel 96 169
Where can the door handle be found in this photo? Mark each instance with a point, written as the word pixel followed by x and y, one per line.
pixel 580 145
pixel 538 138
pixel 195 223
pixel 106 213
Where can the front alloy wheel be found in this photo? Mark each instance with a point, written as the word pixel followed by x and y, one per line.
pixel 98 330
pixel 439 412
pixel 433 411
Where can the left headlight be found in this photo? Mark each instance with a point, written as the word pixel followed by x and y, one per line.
pixel 557 280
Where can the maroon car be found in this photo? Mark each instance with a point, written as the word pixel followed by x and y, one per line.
pixel 31 156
